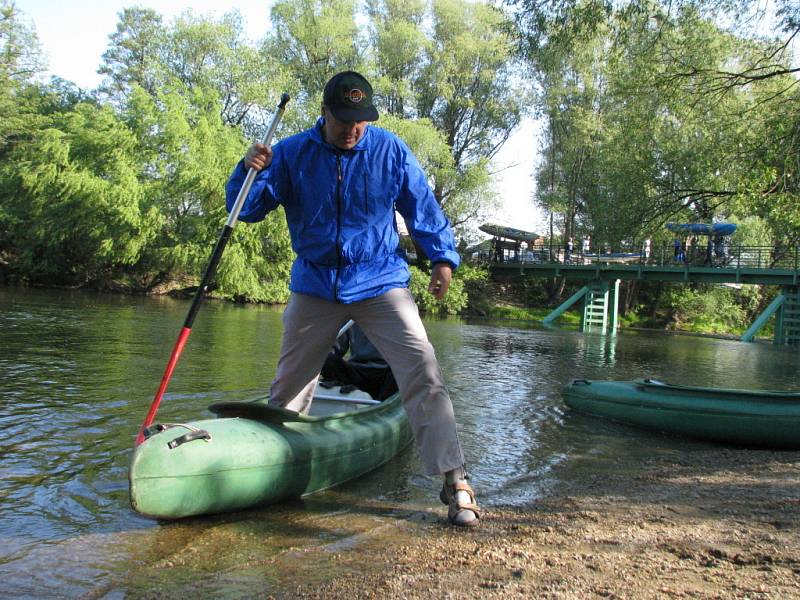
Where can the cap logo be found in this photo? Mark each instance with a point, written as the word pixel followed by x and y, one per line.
pixel 355 95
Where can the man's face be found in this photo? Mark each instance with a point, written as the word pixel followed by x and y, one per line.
pixel 342 134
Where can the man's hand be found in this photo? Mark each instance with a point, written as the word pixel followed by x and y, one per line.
pixel 258 157
pixel 441 274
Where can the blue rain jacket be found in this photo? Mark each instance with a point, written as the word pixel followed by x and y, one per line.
pixel 340 208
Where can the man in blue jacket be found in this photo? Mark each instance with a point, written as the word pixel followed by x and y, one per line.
pixel 339 184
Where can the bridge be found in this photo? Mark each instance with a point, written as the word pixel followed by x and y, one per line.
pixel 602 272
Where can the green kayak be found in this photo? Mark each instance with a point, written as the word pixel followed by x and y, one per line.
pixel 255 454
pixel 768 419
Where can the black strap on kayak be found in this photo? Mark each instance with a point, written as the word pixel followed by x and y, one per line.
pixel 156 428
pixel 197 434
pixel 193 434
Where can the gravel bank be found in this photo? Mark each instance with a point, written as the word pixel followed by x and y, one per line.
pixel 715 523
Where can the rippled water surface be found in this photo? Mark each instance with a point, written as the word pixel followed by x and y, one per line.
pixel 78 372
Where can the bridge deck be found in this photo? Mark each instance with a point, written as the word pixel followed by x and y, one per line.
pixel 764 265
pixel 646 272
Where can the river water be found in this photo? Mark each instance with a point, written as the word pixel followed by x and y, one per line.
pixel 78 372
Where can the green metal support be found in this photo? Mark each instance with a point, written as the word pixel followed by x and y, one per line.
pixel 599 307
pixel 615 309
pixel 565 305
pixel 788 324
pixel 762 319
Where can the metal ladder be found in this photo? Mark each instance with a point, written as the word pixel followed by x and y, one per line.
pixel 787 326
pixel 600 307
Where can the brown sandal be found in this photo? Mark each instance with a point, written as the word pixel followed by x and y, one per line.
pixel 448 496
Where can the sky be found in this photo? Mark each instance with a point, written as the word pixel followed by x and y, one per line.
pixel 74 35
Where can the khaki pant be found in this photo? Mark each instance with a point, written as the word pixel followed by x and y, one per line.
pixel 391 322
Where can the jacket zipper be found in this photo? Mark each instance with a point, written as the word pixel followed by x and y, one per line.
pixel 338 226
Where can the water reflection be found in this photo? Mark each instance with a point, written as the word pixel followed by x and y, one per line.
pixel 78 371
pixel 600 350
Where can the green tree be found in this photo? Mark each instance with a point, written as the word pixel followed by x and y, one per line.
pixel 182 88
pixel 186 153
pixel 398 44
pixel 133 55
pixel 689 120
pixel 194 53
pixel 20 60
pixel 450 62
pixel 631 147
pixel 74 195
pixel 312 40
pixel 453 76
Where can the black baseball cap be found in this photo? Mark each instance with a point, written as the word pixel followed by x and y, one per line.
pixel 348 95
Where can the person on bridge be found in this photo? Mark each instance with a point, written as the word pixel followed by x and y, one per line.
pixel 690 250
pixel 709 252
pixel 340 183
pixel 497 250
pixel 568 250
pixel 680 255
pixel 721 249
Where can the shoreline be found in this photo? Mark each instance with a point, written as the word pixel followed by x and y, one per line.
pixel 709 523
pixel 719 336
pixel 188 293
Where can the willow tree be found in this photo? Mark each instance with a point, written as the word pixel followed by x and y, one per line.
pixel 77 194
pixel 190 89
pixel 20 60
pixel 663 156
pixel 399 45
pixel 570 100
pixel 132 57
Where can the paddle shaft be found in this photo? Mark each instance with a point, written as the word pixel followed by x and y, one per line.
pixel 227 230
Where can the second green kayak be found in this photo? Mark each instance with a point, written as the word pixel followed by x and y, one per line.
pixel 768 419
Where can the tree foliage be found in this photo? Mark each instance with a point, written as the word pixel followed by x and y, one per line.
pixel 456 299
pixel 124 185
pixel 77 212
pixel 459 75
pixel 655 112
pixel 20 60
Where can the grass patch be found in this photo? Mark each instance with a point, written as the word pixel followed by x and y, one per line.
pixel 519 313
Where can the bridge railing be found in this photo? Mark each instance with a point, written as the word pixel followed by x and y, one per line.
pixel 725 256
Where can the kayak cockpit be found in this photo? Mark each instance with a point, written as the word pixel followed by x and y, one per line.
pixel 326 404
pixel 335 400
